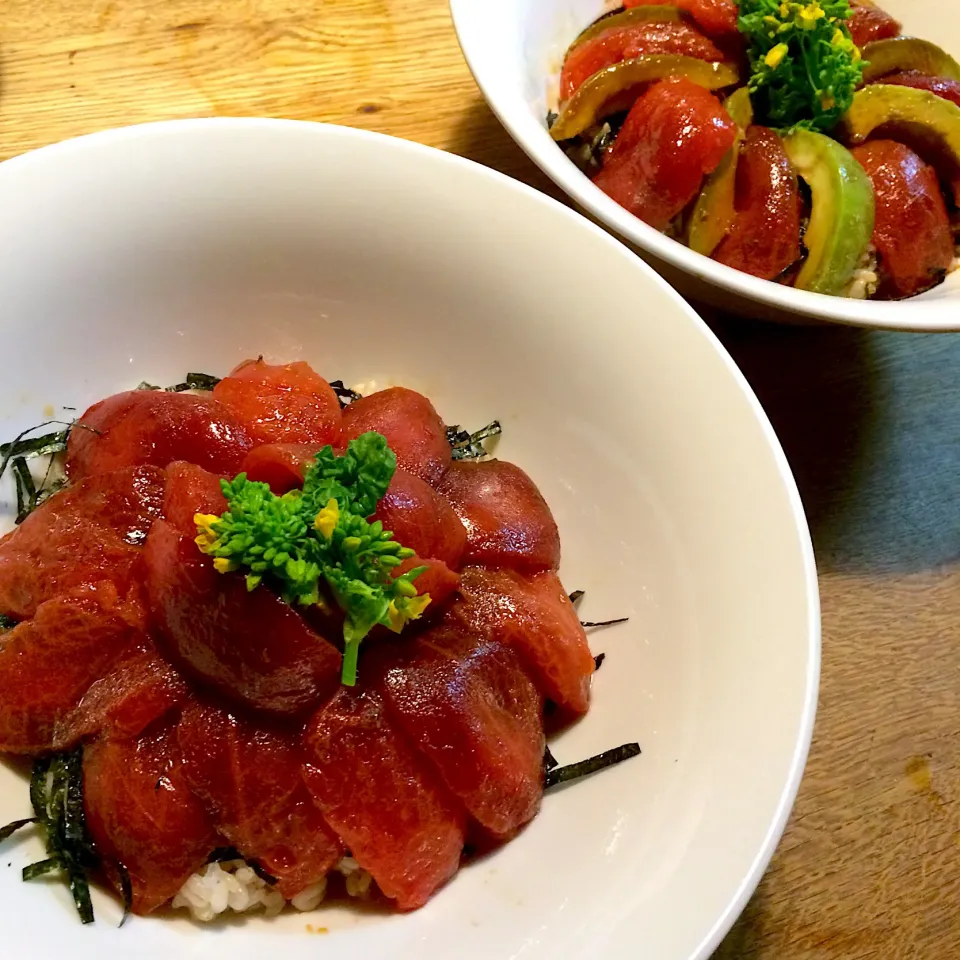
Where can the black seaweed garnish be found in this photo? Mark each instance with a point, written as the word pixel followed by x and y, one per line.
pixel 192 381
pixel 598 661
pixel 126 892
pixel 11 828
pixel 469 446
pixel 6 623
pixel 23 448
pixel 584 768
pixel 576 597
pixel 586 624
pixel 549 761
pixel 56 792
pixel 344 394
pixel 552 118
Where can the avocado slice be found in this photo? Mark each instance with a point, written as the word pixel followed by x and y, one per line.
pixel 842 211
pixel 591 101
pixel 714 212
pixel 923 121
pixel 629 18
pixel 907 53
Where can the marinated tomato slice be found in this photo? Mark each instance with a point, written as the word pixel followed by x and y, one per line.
pixel 507 520
pixel 717 17
pixel 624 43
pixel 868 23
pixel 284 403
pixel 411 425
pixel 142 816
pixel 389 808
pixel 156 427
pixel 765 237
pixel 912 230
pixel 674 135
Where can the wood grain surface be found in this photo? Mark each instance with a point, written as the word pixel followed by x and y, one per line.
pixel 870 864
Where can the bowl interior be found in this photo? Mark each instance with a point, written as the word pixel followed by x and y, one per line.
pixel 145 253
pixel 515 49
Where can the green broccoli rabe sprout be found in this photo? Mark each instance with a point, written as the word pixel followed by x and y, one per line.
pixel 316 544
pixel 804 67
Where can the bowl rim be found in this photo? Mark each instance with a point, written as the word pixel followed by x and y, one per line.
pixel 936 315
pixel 199 127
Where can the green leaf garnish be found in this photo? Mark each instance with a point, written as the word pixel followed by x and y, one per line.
pixel 316 544
pixel 804 65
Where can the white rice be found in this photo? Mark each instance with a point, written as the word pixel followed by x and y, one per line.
pixel 232 886
pixel 865 279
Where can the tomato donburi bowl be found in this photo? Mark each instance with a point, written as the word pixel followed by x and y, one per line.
pixel 169 258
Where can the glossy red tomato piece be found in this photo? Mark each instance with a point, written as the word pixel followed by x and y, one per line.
pixel 765 237
pixel 140 690
pixel 191 490
pixel 674 135
pixel 412 426
pixel 868 23
pixel 82 535
pixel 508 522
pixel 533 616
pixel 390 809
pixel 155 427
pixel 438 580
pixel 48 663
pixel 127 501
pixel 912 230
pixel 717 17
pixel 249 778
pixel 142 814
pixel 281 466
pixel 296 846
pixel 421 519
pixel 941 86
pixel 249 645
pixel 624 43
pixel 288 403
pixel 469 707
pixel 39 564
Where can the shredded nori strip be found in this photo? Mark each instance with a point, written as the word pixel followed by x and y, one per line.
pixel 576 597
pixel 126 892
pixel 344 394
pixel 41 868
pixel 25 446
pixel 598 661
pixel 602 623
pixel 11 828
pixel 549 761
pixel 552 118
pixel 267 878
pixel 584 768
pixel 469 446
pixel 56 792
pixel 192 381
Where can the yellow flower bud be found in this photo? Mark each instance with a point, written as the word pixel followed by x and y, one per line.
pixel 774 57
pixel 327 519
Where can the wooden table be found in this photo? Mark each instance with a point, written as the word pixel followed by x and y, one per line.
pixel 870 864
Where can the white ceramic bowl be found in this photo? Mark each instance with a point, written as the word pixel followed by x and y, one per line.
pixel 515 47
pixel 144 253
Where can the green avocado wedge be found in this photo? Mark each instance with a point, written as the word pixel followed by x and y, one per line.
pixel 841 215
pixel 895 54
pixel 926 123
pixel 714 212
